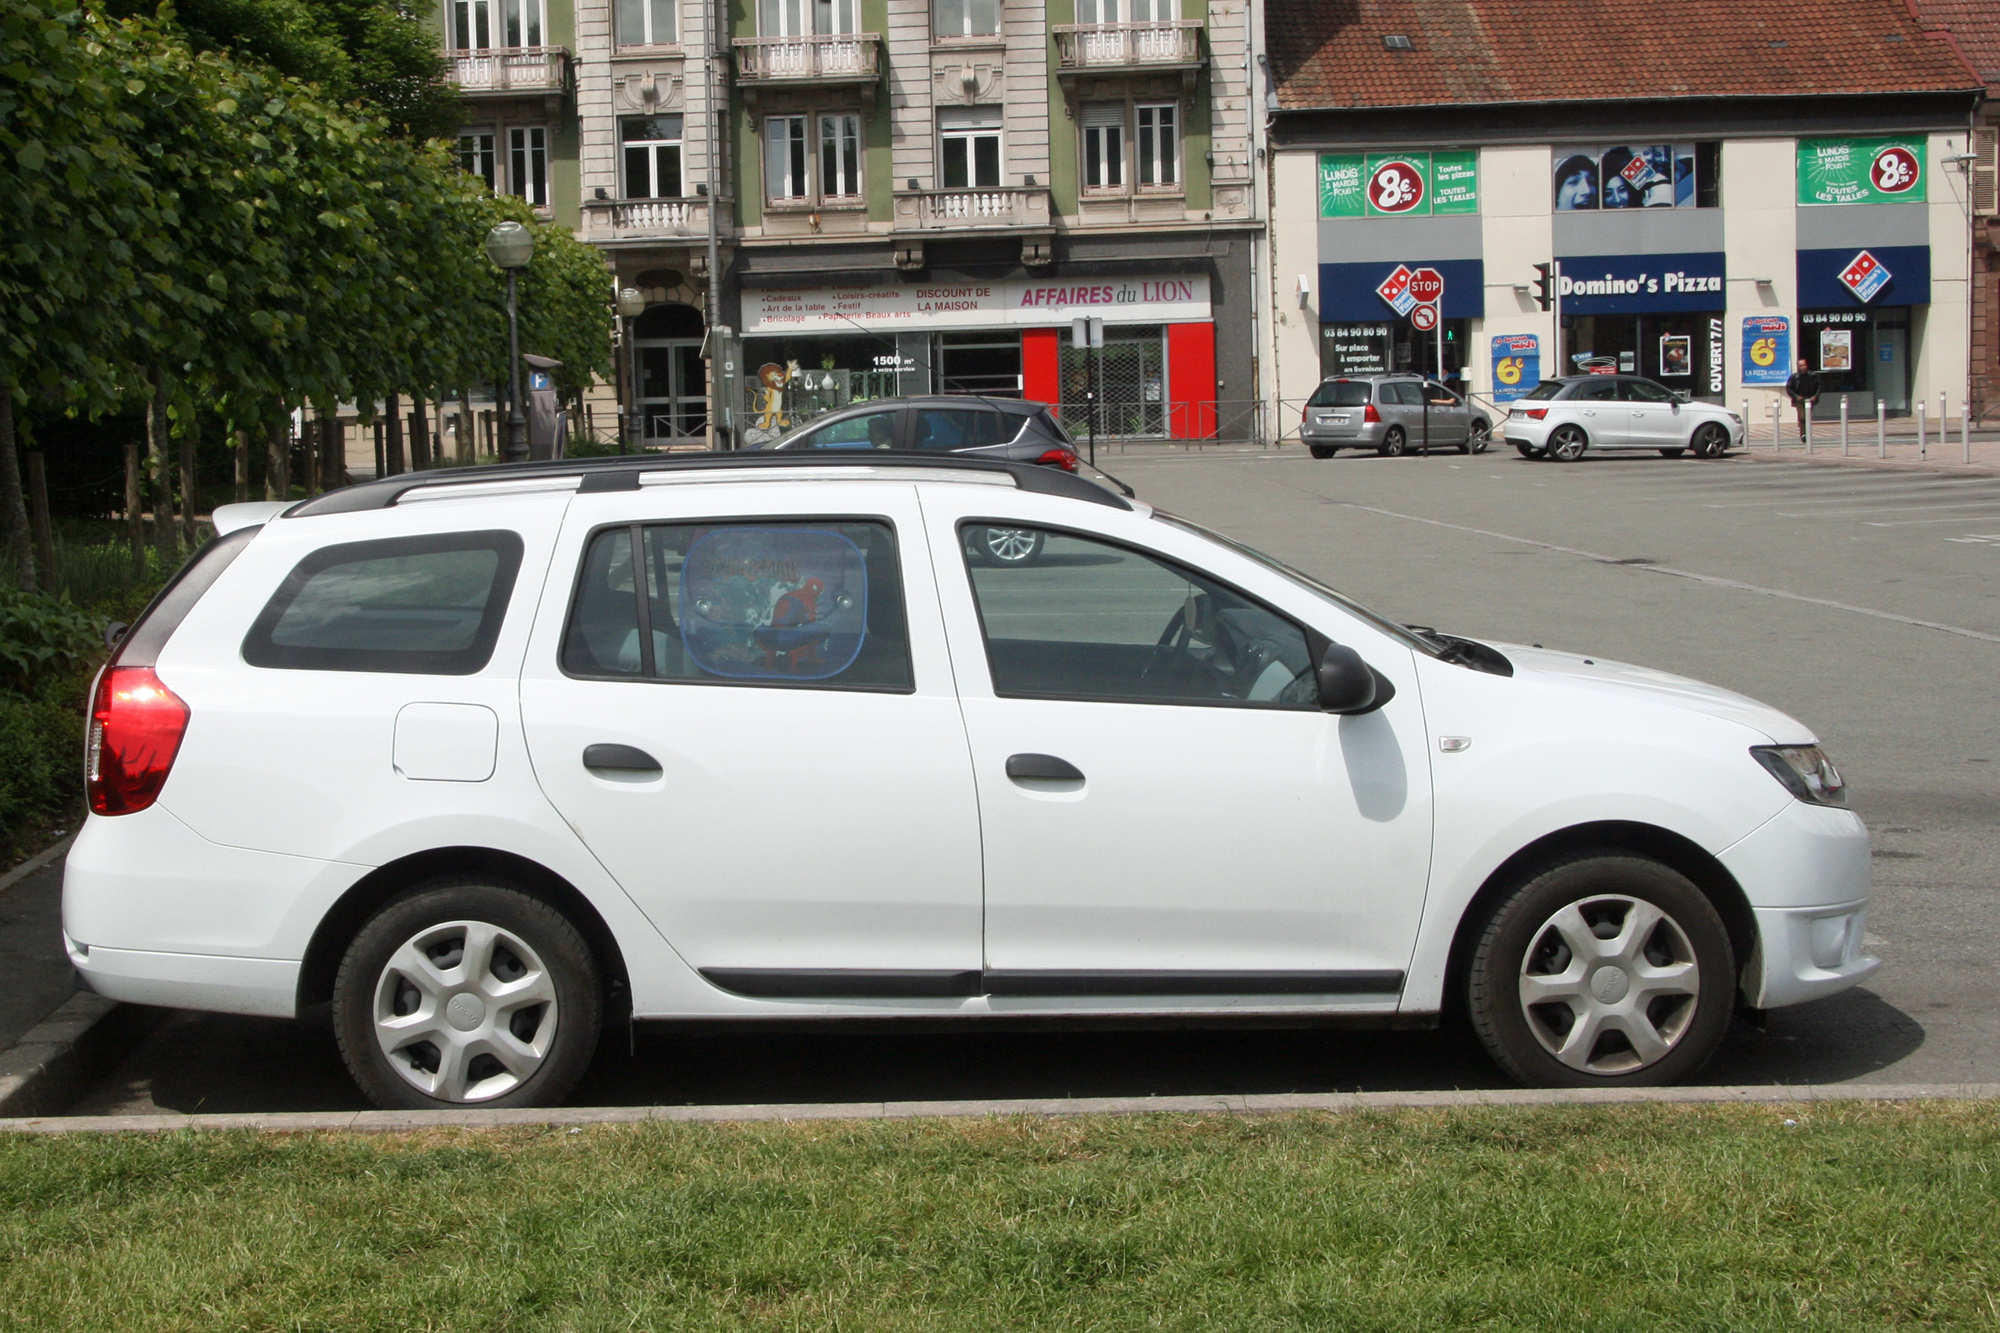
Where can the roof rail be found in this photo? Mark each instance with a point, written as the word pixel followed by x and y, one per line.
pixel 622 473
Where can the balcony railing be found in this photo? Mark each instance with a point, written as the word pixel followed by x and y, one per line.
pixel 510 70
pixel 845 57
pixel 644 219
pixel 1098 46
pixel 1001 206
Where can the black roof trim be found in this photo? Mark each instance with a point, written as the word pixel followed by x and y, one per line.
pixel 608 474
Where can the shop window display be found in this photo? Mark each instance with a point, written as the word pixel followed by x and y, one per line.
pixel 790 381
pixel 1861 354
pixel 1681 351
pixel 1685 175
pixel 1394 346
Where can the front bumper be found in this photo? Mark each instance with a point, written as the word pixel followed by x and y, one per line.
pixel 1806 873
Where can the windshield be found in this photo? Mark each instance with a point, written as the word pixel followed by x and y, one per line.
pixel 1306 581
pixel 1340 393
pixel 1545 390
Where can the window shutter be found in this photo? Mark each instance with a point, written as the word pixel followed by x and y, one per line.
pixel 1095 114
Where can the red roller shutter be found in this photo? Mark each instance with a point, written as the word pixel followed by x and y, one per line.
pixel 1041 356
pixel 1191 377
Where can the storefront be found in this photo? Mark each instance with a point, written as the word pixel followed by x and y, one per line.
pixel 1856 308
pixel 1661 316
pixel 1368 324
pixel 809 350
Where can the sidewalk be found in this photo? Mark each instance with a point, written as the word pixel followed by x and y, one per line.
pixel 39 977
pixel 1897 444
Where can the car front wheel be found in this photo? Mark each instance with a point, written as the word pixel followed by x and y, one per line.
pixel 1567 444
pixel 467 993
pixel 1711 441
pixel 1479 438
pixel 1607 970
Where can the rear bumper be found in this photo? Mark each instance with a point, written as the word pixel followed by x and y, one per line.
pixel 1368 436
pixel 265 987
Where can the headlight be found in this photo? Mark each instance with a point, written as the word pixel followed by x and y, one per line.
pixel 1805 771
pixel 1733 417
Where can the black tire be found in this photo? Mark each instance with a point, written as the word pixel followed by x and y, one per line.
pixel 1523 940
pixel 1009 548
pixel 531 942
pixel 1566 444
pixel 1394 443
pixel 1528 451
pixel 1710 441
pixel 1672 453
pixel 1324 450
pixel 1479 438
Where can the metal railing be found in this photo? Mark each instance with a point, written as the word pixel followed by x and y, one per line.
pixel 516 69
pixel 842 57
pixel 1098 45
pixel 1003 206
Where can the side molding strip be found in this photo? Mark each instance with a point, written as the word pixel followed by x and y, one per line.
pixel 783 983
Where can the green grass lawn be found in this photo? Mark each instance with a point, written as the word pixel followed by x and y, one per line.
pixel 1676 1218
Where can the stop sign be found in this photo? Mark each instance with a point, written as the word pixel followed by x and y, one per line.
pixel 1427 285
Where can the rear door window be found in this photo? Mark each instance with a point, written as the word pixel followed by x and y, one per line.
pixel 1407 393
pixel 959 428
pixel 428 605
pixel 754 603
pixel 869 430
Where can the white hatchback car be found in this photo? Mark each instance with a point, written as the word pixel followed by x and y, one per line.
pixel 487 759
pixel 1560 419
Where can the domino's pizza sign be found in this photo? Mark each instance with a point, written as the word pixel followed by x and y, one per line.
pixel 1395 289
pixel 1865 275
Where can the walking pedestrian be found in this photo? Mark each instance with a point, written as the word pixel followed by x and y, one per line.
pixel 1803 387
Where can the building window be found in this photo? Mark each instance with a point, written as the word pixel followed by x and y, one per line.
pixel 785 158
pixel 652 146
pixel 483 25
pixel 840 157
pixel 969 146
pixel 1684 175
pixel 476 156
pixel 801 18
pixel 646 22
pixel 528 164
pixel 967 18
pixel 1126 11
pixel 1103 145
pixel 1158 143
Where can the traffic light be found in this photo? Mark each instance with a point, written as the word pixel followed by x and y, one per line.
pixel 1545 286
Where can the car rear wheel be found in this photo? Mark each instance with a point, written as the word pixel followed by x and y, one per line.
pixel 467 993
pixel 1004 546
pixel 1567 444
pixel 1394 444
pixel 1324 450
pixel 1528 450
pixel 1711 441
pixel 1478 439
pixel 1672 453
pixel 1608 970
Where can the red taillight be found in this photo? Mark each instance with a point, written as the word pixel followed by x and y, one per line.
pixel 1537 413
pixel 1371 414
pixel 1061 458
pixel 136 725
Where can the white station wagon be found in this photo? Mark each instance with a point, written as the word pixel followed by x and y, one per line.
pixel 490 759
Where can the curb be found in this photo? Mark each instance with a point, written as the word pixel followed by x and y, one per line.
pixel 55 1061
pixel 1768 455
pixel 36 862
pixel 382 1122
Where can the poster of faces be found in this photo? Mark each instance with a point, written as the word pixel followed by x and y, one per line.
pixel 1625 176
pixel 1836 349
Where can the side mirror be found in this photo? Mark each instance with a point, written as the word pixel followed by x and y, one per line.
pixel 113 632
pixel 1349 685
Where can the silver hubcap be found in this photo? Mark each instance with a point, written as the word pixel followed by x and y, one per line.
pixel 1610 985
pixel 1568 446
pixel 1010 543
pixel 465 1011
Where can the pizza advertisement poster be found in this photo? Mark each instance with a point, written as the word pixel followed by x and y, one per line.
pixel 1861 171
pixel 1836 349
pixel 1394 185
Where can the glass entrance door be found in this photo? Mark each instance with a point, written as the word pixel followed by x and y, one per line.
pixel 673 391
pixel 983 363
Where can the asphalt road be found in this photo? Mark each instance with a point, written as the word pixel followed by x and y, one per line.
pixel 1865 603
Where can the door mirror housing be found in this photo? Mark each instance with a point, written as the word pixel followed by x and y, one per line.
pixel 1348 685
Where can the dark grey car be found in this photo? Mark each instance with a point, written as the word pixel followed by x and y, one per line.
pixel 1003 428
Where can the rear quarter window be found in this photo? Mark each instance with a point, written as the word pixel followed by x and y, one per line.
pixel 430 605
pixel 1544 391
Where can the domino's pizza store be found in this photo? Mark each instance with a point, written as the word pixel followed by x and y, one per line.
pixel 1855 323
pixel 1657 315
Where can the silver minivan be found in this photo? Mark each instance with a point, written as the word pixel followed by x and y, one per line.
pixel 1391 414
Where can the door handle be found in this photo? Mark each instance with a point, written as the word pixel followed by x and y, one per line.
pixel 620 758
pixel 1044 767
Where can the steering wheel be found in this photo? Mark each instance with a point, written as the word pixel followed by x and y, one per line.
pixel 1170 663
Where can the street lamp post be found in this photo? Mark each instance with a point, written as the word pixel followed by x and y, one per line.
pixel 631 305
pixel 510 246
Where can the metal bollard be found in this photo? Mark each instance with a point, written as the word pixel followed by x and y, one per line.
pixel 1843 425
pixel 1923 432
pixel 1944 422
pixel 1806 413
pixel 1746 423
pixel 1777 424
pixel 1965 429
pixel 1881 428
